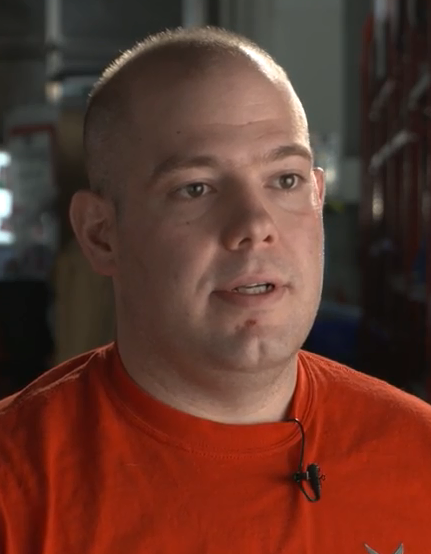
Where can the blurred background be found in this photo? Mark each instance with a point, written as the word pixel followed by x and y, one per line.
pixel 362 69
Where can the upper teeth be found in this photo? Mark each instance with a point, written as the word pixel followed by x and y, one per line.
pixel 258 288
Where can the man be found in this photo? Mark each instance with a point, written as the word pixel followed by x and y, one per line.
pixel 187 435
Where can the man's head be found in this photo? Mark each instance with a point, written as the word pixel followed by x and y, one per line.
pixel 198 155
pixel 184 54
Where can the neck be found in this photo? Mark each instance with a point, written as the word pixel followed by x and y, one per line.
pixel 219 394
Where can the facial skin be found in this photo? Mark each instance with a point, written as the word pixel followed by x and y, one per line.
pixel 218 191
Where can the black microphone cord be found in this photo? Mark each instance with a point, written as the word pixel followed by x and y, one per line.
pixel 312 474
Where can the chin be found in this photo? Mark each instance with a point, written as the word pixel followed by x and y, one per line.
pixel 254 352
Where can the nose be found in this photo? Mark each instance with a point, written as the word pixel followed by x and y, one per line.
pixel 248 224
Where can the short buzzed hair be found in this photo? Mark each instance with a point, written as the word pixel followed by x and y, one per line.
pixel 107 105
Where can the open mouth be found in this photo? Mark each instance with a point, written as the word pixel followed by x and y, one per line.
pixel 257 288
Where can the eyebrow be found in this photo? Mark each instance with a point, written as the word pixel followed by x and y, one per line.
pixel 288 151
pixel 177 163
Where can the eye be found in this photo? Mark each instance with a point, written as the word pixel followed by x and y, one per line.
pixel 193 190
pixel 288 181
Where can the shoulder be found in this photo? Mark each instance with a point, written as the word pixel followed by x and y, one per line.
pixel 41 428
pixel 37 422
pixel 343 390
pixel 366 419
pixel 51 392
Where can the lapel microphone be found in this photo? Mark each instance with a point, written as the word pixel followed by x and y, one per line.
pixel 312 475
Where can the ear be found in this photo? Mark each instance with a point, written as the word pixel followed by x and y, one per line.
pixel 93 220
pixel 319 177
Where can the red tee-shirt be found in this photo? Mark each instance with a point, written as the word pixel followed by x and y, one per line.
pixel 91 464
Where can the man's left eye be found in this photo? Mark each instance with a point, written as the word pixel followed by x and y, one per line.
pixel 288 181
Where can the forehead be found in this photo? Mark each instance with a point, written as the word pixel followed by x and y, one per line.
pixel 230 109
pixel 231 144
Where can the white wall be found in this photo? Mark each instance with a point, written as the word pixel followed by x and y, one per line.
pixel 308 44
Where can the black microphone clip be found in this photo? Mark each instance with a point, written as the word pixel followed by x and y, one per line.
pixel 313 477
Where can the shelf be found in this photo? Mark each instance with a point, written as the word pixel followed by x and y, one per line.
pixel 396 136
pixel 419 90
pixel 395 144
pixel 382 97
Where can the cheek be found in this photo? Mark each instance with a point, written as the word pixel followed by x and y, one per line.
pixel 303 231
pixel 303 245
pixel 166 256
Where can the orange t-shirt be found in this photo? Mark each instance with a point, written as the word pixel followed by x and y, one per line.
pixel 90 464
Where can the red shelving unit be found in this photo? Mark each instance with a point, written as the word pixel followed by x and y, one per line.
pixel 396 192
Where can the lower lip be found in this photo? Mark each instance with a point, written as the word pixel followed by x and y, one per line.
pixel 252 300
